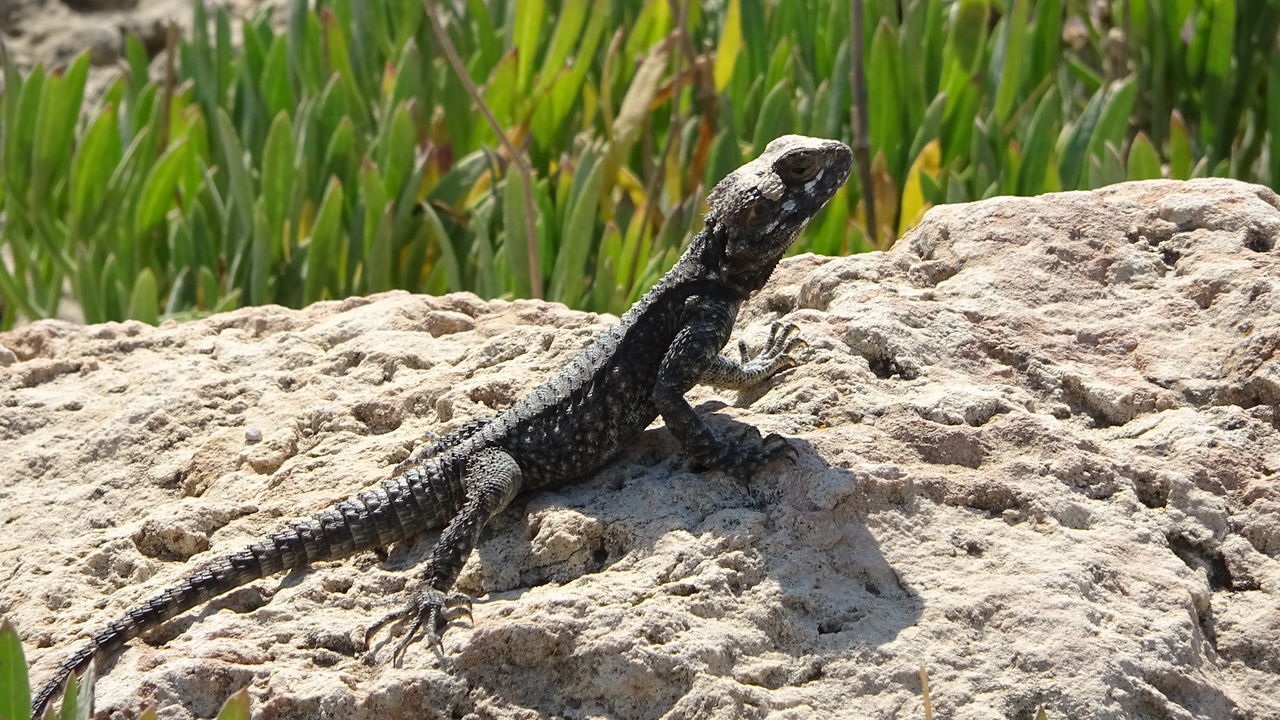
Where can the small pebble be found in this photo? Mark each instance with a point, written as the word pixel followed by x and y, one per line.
pixel 253 435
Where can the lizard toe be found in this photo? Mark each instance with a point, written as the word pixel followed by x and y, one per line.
pixel 395 616
pixel 457 605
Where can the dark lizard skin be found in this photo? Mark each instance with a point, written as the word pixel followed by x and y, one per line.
pixel 567 427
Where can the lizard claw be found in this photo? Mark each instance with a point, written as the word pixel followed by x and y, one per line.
pixel 456 606
pixel 783 342
pixel 394 616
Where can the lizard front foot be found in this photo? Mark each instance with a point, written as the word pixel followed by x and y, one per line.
pixel 778 351
pixel 425 616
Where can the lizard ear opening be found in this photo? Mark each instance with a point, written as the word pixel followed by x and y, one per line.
pixel 758 215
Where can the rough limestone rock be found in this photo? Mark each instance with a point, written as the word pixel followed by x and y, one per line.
pixel 1039 450
pixel 53 33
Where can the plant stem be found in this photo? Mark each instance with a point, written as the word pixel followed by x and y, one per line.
pixel 858 121
pixel 518 158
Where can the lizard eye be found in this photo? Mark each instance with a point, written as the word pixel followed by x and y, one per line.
pixel 798 167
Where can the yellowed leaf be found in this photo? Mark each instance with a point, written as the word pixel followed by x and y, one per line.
pixel 635 104
pixel 730 46
pixel 886 201
pixel 479 191
pixel 632 185
pixel 914 205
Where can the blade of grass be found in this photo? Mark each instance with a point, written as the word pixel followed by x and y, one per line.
pixel 376 262
pixel 930 125
pixel 1072 158
pixel 1038 145
pixel 1113 122
pixel 730 45
pixel 828 235
pixel 99 153
pixel 157 196
pixel 322 247
pixel 1273 120
pixel 914 204
pixel 1143 162
pixel 568 27
pixel 513 223
pixel 440 239
pixel 397 148
pixel 776 116
pixel 1180 144
pixel 48 143
pixel 859 119
pixel 1046 42
pixel 886 194
pixel 883 99
pixel 278 176
pixel 15 694
pixel 232 156
pixel 634 110
pixel 1009 70
pixel 261 247
pixel 144 298
pixel 236 707
pixel 568 279
pixel 529 27
pixel 207 291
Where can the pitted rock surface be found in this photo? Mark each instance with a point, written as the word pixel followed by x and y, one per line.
pixel 1039 444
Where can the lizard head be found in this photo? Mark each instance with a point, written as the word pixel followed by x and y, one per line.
pixel 758 210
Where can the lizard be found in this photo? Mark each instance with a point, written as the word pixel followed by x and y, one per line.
pixel 566 428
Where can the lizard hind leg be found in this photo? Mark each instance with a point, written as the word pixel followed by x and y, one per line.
pixel 490 478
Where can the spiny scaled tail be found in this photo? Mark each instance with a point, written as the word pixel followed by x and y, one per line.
pixel 375 518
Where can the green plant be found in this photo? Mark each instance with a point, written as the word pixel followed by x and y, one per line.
pixel 342 155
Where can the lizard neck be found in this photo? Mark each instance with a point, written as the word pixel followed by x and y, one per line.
pixel 706 267
pixel 709 262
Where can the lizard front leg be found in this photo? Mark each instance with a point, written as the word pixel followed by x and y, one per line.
pixel 490 479
pixel 776 356
pixel 693 357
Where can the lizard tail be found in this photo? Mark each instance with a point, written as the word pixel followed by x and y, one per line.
pixel 403 506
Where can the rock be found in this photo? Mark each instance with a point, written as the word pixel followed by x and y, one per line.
pixel 1039 444
pixel 53 33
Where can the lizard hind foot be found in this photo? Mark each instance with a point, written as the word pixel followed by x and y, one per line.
pixel 743 456
pixel 424 617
